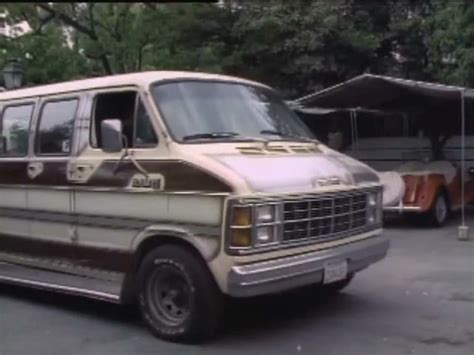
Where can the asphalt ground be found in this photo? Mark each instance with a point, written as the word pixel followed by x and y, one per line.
pixel 419 300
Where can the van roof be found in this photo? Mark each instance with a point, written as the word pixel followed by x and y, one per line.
pixel 143 79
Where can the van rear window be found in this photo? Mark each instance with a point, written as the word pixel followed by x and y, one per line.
pixel 55 129
pixel 14 127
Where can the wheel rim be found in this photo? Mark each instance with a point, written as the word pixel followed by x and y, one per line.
pixel 441 209
pixel 169 295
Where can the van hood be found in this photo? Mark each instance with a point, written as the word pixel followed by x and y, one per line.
pixel 297 173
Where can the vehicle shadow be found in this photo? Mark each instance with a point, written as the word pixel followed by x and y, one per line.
pixel 264 316
pixel 70 303
pixel 257 316
pixel 421 222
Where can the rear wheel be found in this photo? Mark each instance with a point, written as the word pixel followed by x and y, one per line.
pixel 440 211
pixel 178 298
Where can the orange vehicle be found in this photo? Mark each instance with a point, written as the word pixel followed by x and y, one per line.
pixel 418 136
pixel 434 189
pixel 415 184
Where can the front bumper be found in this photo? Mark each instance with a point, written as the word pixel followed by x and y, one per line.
pixel 295 271
pixel 402 209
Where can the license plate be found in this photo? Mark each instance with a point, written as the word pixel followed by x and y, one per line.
pixel 335 271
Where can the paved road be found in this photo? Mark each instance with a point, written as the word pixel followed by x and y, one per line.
pixel 420 300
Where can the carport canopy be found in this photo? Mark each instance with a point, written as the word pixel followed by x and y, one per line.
pixel 377 92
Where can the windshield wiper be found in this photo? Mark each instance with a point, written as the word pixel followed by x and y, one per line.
pixel 210 135
pixel 285 135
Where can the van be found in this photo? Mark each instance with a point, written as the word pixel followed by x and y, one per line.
pixel 175 190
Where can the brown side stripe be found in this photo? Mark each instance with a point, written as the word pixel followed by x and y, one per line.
pixel 179 176
pixel 101 259
pixel 104 221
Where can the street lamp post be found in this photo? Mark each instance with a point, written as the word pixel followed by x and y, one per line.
pixel 13 74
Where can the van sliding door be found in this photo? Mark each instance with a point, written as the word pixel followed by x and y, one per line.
pixel 49 202
pixel 15 120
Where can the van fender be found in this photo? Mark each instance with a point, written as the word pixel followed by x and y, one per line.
pixel 205 239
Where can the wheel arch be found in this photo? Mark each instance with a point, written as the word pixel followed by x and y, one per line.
pixel 431 186
pixel 205 248
pixel 441 189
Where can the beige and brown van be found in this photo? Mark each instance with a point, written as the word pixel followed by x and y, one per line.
pixel 175 189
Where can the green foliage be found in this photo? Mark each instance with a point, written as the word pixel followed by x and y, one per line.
pixel 297 46
pixel 451 44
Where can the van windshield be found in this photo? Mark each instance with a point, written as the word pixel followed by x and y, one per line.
pixel 204 110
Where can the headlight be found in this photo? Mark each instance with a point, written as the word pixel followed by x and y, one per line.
pixel 265 235
pixel 372 200
pixel 371 216
pixel 265 214
pixel 374 207
pixel 253 225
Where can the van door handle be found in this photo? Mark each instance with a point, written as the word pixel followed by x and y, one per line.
pixel 34 169
pixel 78 173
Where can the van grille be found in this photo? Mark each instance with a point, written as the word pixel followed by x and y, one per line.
pixel 324 218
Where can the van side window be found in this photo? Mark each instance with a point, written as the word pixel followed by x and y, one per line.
pixel 55 129
pixel 128 108
pixel 14 127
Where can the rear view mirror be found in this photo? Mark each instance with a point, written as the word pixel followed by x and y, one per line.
pixel 111 135
pixel 470 171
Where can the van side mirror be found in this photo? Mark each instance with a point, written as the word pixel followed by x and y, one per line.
pixel 470 172
pixel 111 135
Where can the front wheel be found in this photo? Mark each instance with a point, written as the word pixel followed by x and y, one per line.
pixel 178 298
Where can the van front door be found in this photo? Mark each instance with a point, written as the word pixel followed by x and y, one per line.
pixel 105 222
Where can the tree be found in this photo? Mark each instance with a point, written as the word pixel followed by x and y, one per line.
pixel 303 46
pixel 113 38
pixel 297 46
pixel 451 44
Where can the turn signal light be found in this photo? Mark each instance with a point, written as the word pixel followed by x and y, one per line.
pixel 241 216
pixel 241 237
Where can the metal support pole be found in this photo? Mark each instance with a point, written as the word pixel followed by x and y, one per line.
pixel 355 128
pixel 351 116
pixel 354 133
pixel 463 231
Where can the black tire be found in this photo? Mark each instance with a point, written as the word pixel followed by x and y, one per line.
pixel 338 286
pixel 178 298
pixel 435 216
